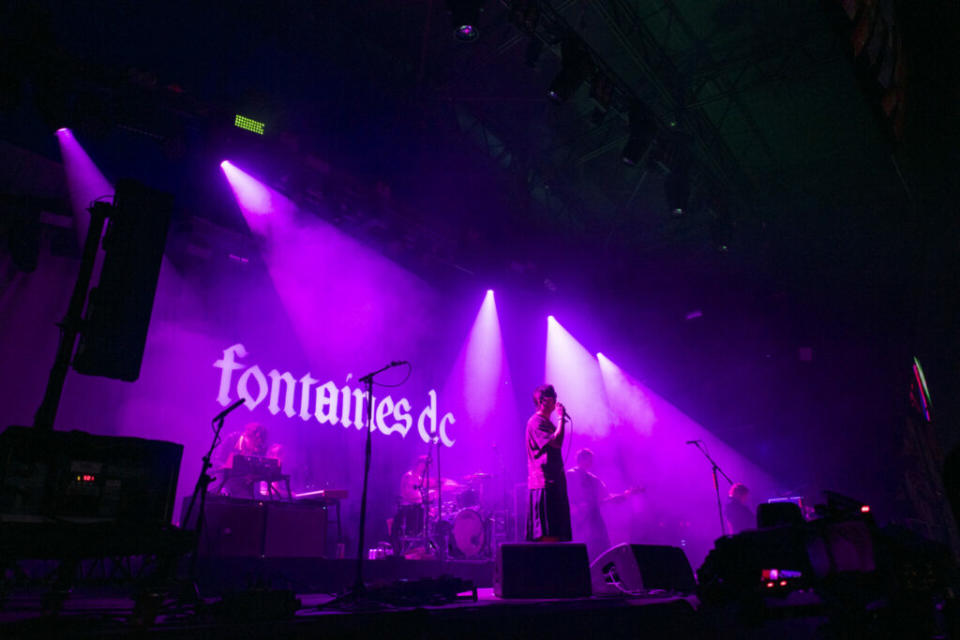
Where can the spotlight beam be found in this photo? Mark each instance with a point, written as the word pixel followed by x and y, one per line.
pixel 576 376
pixel 84 180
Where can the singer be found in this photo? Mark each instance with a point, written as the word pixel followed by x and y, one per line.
pixel 548 514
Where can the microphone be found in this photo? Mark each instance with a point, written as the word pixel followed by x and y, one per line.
pixel 397 363
pixel 694 441
pixel 223 414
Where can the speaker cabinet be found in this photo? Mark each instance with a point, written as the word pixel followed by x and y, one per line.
pixel 261 528
pixel 642 567
pixel 231 527
pixel 295 530
pixel 542 570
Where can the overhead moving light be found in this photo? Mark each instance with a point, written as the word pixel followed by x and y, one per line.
pixel 643 132
pixel 721 222
pixel 464 15
pixel 575 66
pixel 525 14
pixel 601 90
pixel 676 188
pixel 676 185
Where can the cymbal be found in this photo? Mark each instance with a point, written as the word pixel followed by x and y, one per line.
pixel 447 484
pixel 479 475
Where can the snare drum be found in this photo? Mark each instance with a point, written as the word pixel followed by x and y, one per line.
pixel 468 535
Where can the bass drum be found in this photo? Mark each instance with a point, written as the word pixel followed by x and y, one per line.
pixel 468 537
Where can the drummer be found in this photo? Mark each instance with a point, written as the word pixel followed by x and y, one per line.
pixel 413 481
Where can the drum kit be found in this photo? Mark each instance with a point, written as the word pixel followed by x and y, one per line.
pixel 463 528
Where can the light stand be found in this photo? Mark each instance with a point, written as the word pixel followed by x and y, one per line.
pixel 716 483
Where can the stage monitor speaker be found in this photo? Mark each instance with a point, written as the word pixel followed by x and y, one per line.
pixel 542 570
pixel 638 568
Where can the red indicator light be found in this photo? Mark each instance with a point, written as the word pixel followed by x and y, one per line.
pixel 769 585
pixel 865 509
pixel 783 583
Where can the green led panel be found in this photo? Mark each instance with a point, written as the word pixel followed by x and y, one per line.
pixel 248 124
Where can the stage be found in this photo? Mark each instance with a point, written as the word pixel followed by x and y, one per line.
pixel 104 615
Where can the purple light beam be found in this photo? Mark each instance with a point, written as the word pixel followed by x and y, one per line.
pixel 84 181
pixel 576 376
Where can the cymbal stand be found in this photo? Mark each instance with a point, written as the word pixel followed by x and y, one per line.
pixel 425 498
pixel 442 543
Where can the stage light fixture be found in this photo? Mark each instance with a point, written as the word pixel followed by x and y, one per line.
pixel 525 14
pixel 643 133
pixel 601 89
pixel 676 187
pixel 464 15
pixel 248 124
pixel 532 53
pixel 575 66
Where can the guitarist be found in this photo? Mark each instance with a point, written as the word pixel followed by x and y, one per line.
pixel 587 492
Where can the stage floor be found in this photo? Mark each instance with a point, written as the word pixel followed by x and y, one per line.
pixel 89 615
pixel 216 575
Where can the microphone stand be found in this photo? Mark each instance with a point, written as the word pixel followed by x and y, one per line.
pixel 716 483
pixel 200 490
pixel 359 588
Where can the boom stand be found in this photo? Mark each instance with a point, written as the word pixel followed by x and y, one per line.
pixel 359 588
pixel 201 488
pixel 716 483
